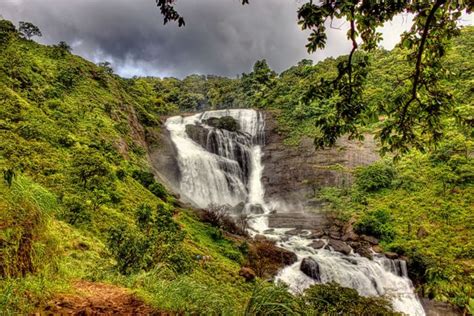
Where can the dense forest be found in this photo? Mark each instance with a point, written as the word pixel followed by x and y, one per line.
pixel 78 199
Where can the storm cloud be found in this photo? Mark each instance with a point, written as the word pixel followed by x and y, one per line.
pixel 220 37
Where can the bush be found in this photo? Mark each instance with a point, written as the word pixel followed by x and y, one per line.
pixel 75 210
pixel 377 224
pixel 375 177
pixel 333 299
pixel 156 238
pixel 158 190
pixel 129 248
pixel 144 177
pixel 218 216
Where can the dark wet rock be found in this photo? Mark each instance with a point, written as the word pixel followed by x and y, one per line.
pixel 377 249
pixel 334 233
pixel 255 209
pixel 309 221
pixel 348 233
pixel 260 237
pixel 310 267
pixel 421 233
pixel 350 260
pixel 370 239
pixel 294 232
pixel 339 246
pixel 317 244
pixel 316 233
pixel 247 273
pixel 391 255
pixel 269 231
pixel 197 133
pixel 225 122
pixel 350 236
pixel 363 249
pixel 239 208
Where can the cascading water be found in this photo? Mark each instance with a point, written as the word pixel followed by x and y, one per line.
pixel 223 167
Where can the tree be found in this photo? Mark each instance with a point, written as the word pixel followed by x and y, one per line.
pixel 258 83
pixel 106 67
pixel 90 168
pixel 28 30
pixel 62 49
pixel 6 30
pixel 414 112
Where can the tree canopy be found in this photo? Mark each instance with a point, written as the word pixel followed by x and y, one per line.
pixel 413 113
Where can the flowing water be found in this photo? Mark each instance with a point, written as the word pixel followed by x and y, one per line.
pixel 221 167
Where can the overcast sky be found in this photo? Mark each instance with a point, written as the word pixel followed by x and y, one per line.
pixel 220 37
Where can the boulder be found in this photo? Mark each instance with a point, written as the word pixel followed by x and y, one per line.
pixel 349 236
pixel 317 244
pixel 255 209
pixel 294 232
pixel 348 232
pixel 316 233
pixel 364 250
pixel 339 246
pixel 247 273
pixel 370 239
pixel 197 133
pixel 377 249
pixel 226 122
pixel 310 267
pixel 239 208
pixel 391 255
pixel 334 232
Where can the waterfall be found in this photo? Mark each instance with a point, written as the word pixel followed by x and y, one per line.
pixel 223 167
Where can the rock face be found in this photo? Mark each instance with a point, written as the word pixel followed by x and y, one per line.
pixel 300 221
pixel 197 133
pixel 317 244
pixel 434 308
pixel 162 155
pixel 225 122
pixel 310 267
pixel 294 173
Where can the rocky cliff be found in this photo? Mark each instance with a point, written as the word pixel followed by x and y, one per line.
pixel 294 173
pixel 291 174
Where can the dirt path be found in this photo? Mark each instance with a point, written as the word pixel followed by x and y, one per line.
pixel 98 299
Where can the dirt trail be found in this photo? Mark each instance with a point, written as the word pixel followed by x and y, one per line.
pixel 98 299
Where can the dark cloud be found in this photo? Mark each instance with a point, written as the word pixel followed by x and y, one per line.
pixel 221 36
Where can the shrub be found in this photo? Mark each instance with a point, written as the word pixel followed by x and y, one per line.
pixel 158 190
pixel 218 216
pixel 333 299
pixel 75 211
pixel 375 177
pixel 157 239
pixel 271 299
pixel 376 223
pixel 129 248
pixel 144 177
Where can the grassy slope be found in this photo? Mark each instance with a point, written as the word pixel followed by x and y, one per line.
pixel 52 108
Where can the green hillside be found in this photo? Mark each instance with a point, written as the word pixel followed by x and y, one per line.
pixel 79 201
